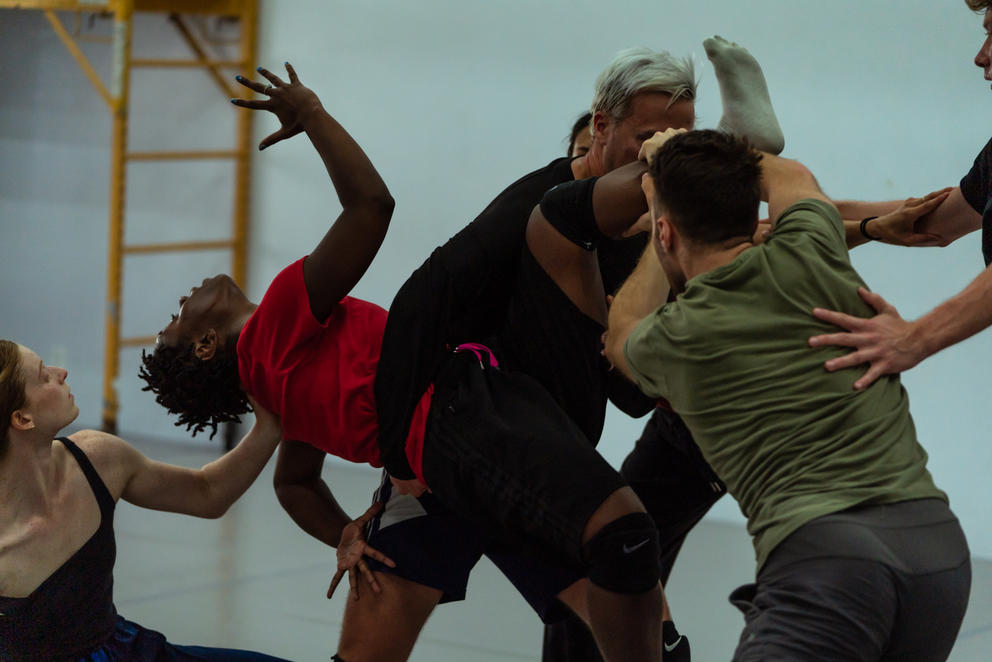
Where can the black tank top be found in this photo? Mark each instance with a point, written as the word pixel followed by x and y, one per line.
pixel 72 612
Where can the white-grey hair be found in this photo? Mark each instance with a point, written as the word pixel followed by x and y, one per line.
pixel 637 70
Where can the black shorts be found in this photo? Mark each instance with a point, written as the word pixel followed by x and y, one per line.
pixel 435 547
pixel 500 453
pixel 673 481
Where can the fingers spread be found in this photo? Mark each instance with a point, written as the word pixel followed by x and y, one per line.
pixel 251 85
pixel 292 73
pixel 866 380
pixel 254 104
pixel 271 77
pixel 842 320
pixel 846 361
pixel 374 553
pixel 334 583
pixel 839 339
pixel 874 300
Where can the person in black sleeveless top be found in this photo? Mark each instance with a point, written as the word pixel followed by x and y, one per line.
pixel 57 546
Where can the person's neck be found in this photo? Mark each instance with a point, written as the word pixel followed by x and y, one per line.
pixel 28 477
pixel 700 261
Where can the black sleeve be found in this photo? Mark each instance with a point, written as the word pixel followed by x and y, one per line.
pixel 568 207
pixel 627 397
pixel 975 185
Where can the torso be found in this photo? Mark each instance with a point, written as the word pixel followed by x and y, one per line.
pixel 35 547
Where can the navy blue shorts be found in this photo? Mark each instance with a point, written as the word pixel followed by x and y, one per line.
pixel 434 547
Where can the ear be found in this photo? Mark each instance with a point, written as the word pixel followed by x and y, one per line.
pixel 600 122
pixel 664 232
pixel 206 346
pixel 20 420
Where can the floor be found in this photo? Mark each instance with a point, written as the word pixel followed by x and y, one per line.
pixel 253 580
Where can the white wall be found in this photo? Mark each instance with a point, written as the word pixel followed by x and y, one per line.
pixel 453 101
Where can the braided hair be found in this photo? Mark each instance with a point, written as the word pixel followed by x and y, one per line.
pixel 202 393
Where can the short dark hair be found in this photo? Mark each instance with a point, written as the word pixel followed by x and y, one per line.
pixel 710 184
pixel 978 5
pixel 582 123
pixel 202 393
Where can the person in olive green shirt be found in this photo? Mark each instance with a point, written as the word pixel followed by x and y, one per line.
pixel 858 554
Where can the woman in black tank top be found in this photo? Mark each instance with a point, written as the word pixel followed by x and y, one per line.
pixel 57 546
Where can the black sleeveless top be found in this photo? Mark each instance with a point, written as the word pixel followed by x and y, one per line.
pixel 72 612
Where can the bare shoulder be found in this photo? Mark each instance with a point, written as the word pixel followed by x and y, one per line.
pixel 112 457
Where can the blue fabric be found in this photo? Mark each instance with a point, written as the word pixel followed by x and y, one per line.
pixel 132 643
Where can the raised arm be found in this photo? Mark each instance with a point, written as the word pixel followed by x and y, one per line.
pixel 785 182
pixel 346 250
pixel 641 294
pixel 205 492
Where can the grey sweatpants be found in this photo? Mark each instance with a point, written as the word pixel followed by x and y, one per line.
pixel 882 583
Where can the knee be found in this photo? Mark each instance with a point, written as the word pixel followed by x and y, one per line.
pixel 622 556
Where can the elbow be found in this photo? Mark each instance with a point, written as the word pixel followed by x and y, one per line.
pixel 384 205
pixel 217 511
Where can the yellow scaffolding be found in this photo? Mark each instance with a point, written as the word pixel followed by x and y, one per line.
pixel 117 98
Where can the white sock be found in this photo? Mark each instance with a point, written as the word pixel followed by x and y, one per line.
pixel 747 108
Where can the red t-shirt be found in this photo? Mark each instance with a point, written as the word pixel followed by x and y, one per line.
pixel 318 376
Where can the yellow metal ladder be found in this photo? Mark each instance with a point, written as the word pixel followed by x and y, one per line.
pixel 117 99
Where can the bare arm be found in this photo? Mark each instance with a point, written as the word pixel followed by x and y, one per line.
pixel 304 495
pixel 205 492
pixel 347 249
pixel 900 226
pixel 953 219
pixel 889 344
pixel 643 292
pixel 784 183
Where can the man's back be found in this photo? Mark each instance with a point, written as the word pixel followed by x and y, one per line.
pixel 792 441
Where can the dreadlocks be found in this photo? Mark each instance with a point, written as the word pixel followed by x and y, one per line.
pixel 202 393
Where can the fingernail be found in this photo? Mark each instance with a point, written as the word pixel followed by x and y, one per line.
pixel 234 100
pixel 261 147
pixel 258 69
pixel 238 77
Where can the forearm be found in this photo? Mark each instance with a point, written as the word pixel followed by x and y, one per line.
pixel 853 235
pixel 314 509
pixel 355 179
pixel 956 319
pixel 643 292
pixel 618 200
pixel 857 209
pixel 225 479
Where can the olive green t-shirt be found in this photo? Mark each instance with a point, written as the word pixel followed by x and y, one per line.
pixel 792 441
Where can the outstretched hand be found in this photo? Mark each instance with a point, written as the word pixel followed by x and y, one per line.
pixel 352 550
pixel 291 102
pixel 899 226
pixel 884 342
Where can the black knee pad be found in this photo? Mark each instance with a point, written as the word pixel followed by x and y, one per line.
pixel 623 556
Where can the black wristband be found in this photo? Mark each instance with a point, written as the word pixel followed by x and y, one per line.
pixel 864 229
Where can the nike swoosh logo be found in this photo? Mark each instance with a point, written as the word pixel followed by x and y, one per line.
pixel 634 548
pixel 669 649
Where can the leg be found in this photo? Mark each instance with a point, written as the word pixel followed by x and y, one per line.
pixel 828 609
pixel 625 617
pixel 673 481
pixel 383 627
pixel 747 108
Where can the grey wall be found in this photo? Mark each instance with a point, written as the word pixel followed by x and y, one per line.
pixel 453 101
